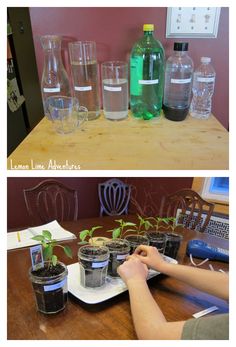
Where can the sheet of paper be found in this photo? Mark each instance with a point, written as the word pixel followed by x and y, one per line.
pixel 23 238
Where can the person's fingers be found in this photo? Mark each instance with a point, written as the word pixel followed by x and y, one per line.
pixel 141 249
pixel 131 257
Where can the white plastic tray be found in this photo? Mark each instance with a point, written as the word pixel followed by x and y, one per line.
pixel 111 288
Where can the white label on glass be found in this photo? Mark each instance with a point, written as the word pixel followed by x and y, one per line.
pixel 206 79
pixel 51 287
pixel 148 81
pixel 83 89
pixel 51 90
pixel 180 80
pixel 122 256
pixel 100 264
pixel 113 89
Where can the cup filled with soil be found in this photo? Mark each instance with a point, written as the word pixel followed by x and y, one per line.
pixel 119 249
pixel 157 239
pixel 50 287
pixel 93 262
pixel 173 242
pixel 136 240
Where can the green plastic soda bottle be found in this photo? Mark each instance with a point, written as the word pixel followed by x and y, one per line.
pixel 147 75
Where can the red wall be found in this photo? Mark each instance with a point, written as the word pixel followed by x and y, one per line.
pixel 147 192
pixel 116 29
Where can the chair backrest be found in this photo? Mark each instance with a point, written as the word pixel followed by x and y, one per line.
pixel 114 196
pixel 191 206
pixel 51 200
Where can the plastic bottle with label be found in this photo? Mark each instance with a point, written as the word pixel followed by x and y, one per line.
pixel 203 89
pixel 146 75
pixel 54 80
pixel 178 83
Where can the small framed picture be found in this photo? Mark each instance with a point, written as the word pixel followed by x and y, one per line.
pixel 36 254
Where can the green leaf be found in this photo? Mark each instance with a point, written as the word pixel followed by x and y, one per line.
pixel 97 227
pixel 83 234
pixel 47 253
pixel 47 235
pixel 116 233
pixel 68 251
pixel 110 231
pixel 120 221
pixel 127 224
pixel 82 243
pixel 54 260
pixel 38 238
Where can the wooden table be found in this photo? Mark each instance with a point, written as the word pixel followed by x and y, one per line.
pixel 130 144
pixel 110 320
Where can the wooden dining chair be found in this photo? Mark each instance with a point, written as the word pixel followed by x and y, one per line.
pixel 186 204
pixel 51 200
pixel 114 197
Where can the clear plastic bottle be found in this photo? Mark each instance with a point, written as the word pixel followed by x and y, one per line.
pixel 146 75
pixel 203 89
pixel 54 80
pixel 178 83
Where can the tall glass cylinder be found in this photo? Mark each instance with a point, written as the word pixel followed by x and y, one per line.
pixel 85 76
pixel 115 89
pixel 54 80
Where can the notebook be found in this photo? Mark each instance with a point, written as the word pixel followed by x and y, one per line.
pixel 23 238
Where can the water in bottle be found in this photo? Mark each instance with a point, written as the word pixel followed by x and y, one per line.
pixel 203 89
pixel 178 83
pixel 146 75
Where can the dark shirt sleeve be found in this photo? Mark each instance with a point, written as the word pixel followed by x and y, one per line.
pixel 207 328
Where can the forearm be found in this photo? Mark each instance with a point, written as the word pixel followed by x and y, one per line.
pixel 147 316
pixel 149 321
pixel 212 282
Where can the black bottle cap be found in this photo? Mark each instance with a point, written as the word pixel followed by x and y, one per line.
pixel 180 46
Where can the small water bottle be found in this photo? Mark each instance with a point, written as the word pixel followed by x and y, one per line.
pixel 203 88
pixel 178 83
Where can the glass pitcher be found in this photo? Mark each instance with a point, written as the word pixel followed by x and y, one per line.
pixel 55 80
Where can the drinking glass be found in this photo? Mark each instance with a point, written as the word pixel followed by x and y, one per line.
pixel 115 89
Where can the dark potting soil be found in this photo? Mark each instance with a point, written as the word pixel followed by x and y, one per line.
pixel 119 249
pixel 156 240
pixel 93 277
pixel 49 302
pixel 113 264
pixel 134 241
pixel 172 247
pixel 53 300
pixel 49 271
pixel 93 251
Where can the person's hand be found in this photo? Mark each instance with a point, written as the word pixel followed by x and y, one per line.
pixel 132 270
pixel 150 256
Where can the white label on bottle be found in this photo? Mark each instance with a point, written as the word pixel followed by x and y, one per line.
pixel 113 89
pixel 83 89
pixel 148 81
pixel 206 79
pixel 99 264
pixel 180 80
pixel 122 256
pixel 51 287
pixel 51 90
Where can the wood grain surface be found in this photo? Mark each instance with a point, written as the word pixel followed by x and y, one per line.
pixel 110 320
pixel 130 144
